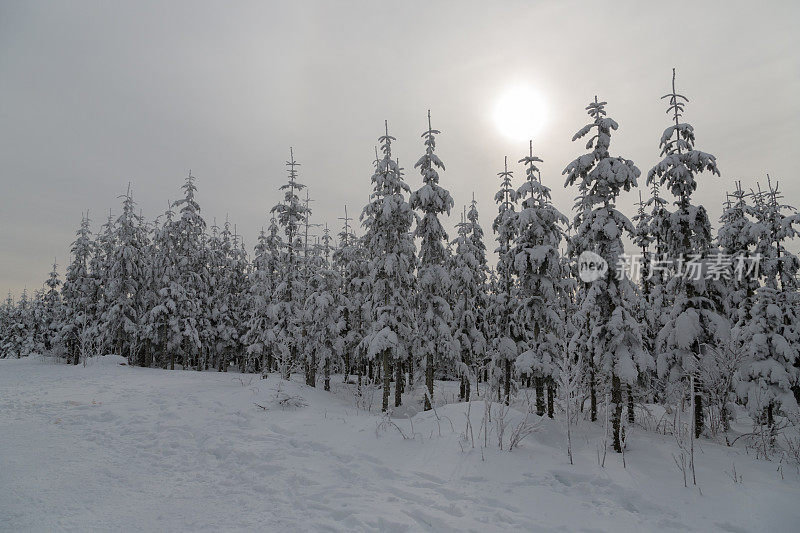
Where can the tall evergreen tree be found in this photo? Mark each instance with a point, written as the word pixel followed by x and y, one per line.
pixel 542 282
pixel 503 304
pixel 694 319
pixel 433 279
pixel 264 277
pixel 124 290
pixel 468 276
pixel 388 218
pixel 290 214
pixel 191 275
pixel 616 335
pixel 769 380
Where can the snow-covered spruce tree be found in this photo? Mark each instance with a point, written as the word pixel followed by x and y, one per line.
pixel 310 263
pixel 736 238
pixel 289 292
pixel 433 280
pixel 52 317
pixel 542 283
pixel 100 270
pixel 23 326
pixel 388 218
pixel 264 276
pixel 769 378
pixel 505 348
pixel 79 294
pixel 228 273
pixel 468 281
pixel 191 275
pixel 7 311
pixel 694 319
pixel 239 280
pixel 616 335
pixel 656 300
pixel 159 326
pixel 10 347
pixel 476 238
pixel 323 311
pixel 351 262
pixel 584 313
pixel 648 306
pixel 124 290
pixel 775 223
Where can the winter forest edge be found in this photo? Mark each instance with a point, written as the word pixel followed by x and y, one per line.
pixel 385 300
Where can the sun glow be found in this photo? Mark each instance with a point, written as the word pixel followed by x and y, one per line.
pixel 520 113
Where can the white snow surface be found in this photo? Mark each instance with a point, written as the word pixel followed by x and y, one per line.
pixel 109 447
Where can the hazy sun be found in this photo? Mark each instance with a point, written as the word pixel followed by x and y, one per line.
pixel 520 113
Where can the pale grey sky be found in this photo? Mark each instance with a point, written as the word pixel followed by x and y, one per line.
pixel 94 94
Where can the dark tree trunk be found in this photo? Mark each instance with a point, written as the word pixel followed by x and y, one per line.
pixel 507 384
pixel 551 393
pixel 616 413
pixel 386 382
pixel 398 384
pixel 538 383
pixel 698 415
pixel 327 372
pixel 467 388
pixel 429 381
pixel 631 413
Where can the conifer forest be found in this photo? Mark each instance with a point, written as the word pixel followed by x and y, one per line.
pixel 417 364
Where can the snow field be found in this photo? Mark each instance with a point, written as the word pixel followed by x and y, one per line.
pixel 118 448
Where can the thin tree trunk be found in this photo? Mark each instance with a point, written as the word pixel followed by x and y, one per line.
pixel 616 404
pixel 551 392
pixel 386 380
pixel 398 384
pixel 538 383
pixel 698 415
pixel 428 381
pixel 507 384
pixel 631 413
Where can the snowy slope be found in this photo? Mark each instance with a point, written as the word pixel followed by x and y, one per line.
pixel 117 448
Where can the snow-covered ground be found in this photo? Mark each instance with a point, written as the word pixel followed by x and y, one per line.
pixel 117 448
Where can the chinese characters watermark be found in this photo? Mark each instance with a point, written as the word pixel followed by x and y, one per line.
pixel 715 266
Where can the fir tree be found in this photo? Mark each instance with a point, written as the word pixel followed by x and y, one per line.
pixel 506 330
pixel 542 286
pixel 468 276
pixel 190 279
pixel 52 310
pixel 694 318
pixel 290 214
pixel 616 335
pixel 79 294
pixel 264 277
pixel 433 279
pixel 772 336
pixel 388 218
pixel 124 290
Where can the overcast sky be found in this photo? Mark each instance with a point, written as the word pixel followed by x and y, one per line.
pixel 96 94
